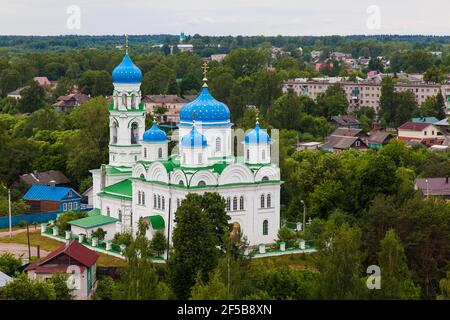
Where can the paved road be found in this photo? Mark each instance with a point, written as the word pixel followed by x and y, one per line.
pixel 20 250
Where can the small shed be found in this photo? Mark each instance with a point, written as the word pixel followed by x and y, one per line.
pixel 94 221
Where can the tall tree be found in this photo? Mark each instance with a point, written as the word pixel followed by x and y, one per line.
pixel 158 80
pixel 387 101
pixel 340 263
pixel 396 280
pixel 33 97
pixel 194 246
pixel 139 280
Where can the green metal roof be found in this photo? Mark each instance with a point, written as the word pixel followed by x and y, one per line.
pixel 157 222
pixel 120 188
pixel 94 212
pixel 93 221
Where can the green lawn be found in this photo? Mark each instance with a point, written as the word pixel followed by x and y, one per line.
pixel 48 244
pixel 297 261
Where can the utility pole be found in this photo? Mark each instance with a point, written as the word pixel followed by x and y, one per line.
pixel 9 211
pixel 168 229
pixel 304 212
pixel 9 207
pixel 28 239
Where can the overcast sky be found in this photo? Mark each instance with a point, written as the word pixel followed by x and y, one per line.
pixel 225 17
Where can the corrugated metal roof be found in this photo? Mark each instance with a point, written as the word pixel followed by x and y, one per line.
pixel 93 221
pixel 4 279
pixel 122 188
pixel 414 126
pixel 74 250
pixel 38 192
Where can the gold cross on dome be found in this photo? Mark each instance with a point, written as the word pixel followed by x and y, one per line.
pixel 205 71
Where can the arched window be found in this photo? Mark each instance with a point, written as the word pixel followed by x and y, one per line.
pixel 114 133
pixel 181 183
pixel 218 144
pixel 108 211
pixel 133 101
pixel 235 203
pixel 154 201
pixel 200 158
pixel 248 154
pixel 119 214
pixel 142 176
pixel 228 204
pixel 183 158
pixel 124 99
pixel 163 207
pixel 139 197
pixel 143 198
pixel 265 178
pixel 265 227
pixel 269 201
pixel 262 200
pixel 134 133
pixel 160 153
pixel 201 183
pixel 241 203
pixel 145 153
pixel 263 155
pixel 178 202
pixel 159 202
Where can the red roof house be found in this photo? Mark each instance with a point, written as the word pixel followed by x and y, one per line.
pixel 422 132
pixel 73 258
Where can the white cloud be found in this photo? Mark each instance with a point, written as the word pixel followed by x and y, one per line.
pixel 214 17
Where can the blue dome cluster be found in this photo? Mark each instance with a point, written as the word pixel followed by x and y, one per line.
pixel 127 72
pixel 154 134
pixel 205 109
pixel 257 136
pixel 194 139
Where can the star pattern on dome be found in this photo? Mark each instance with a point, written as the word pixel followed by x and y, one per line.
pixel 154 134
pixel 127 72
pixel 205 108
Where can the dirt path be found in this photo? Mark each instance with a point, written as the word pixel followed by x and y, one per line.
pixel 20 250
pixel 5 234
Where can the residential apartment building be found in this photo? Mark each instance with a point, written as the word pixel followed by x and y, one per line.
pixel 366 94
pixel 172 103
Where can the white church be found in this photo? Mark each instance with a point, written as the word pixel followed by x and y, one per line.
pixel 143 180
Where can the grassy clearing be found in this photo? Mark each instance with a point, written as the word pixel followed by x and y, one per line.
pixel 296 261
pixel 48 244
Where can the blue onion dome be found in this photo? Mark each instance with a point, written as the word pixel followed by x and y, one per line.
pixel 194 139
pixel 127 72
pixel 154 134
pixel 257 136
pixel 206 110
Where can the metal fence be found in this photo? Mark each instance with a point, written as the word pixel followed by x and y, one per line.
pixel 28 218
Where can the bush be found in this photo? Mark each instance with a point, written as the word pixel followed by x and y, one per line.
pixel 22 223
pixel 9 263
pixel 63 220
pixel 105 289
pixel 158 244
pixel 122 238
pixel 99 234
pixel 288 236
